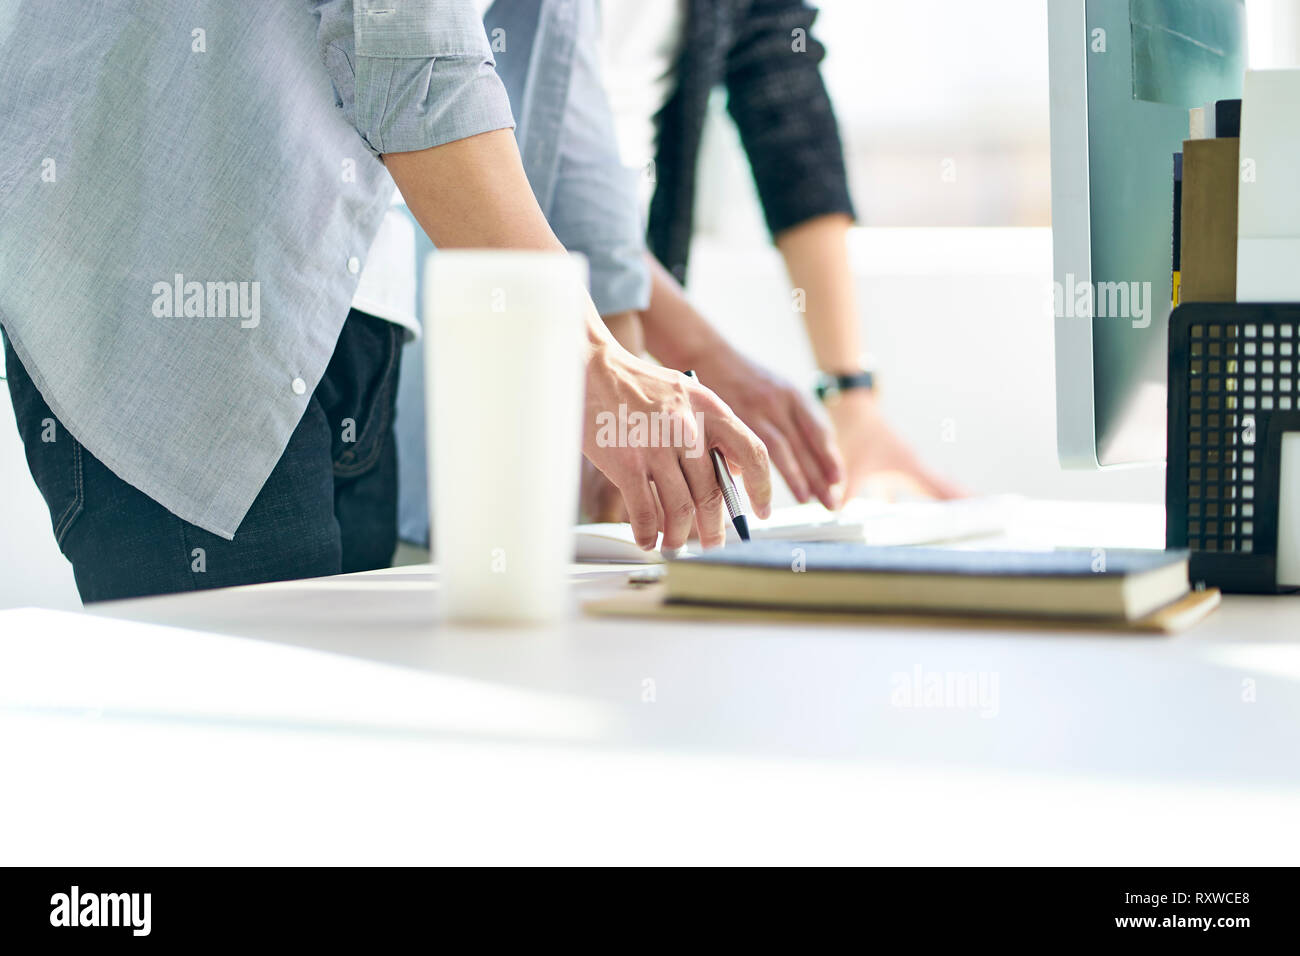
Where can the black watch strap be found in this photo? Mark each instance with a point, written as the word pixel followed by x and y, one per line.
pixel 829 386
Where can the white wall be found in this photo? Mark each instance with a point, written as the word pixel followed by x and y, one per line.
pixel 931 85
pixel 1273 28
pixel 960 322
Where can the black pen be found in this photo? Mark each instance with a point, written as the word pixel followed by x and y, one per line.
pixel 728 486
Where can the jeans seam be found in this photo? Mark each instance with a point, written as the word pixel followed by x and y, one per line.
pixel 64 524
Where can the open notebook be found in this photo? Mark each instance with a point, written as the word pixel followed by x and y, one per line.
pixel 861 520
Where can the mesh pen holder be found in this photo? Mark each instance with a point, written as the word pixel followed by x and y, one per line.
pixel 1234 391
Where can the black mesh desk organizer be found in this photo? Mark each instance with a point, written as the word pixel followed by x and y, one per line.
pixel 1234 390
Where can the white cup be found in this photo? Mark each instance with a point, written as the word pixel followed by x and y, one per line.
pixel 504 348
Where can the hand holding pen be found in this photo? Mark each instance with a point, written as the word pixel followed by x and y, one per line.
pixel 728 485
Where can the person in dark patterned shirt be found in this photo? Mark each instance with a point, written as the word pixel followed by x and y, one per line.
pixel 764 54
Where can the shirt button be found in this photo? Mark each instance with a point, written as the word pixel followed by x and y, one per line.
pixel 354 265
pixel 299 386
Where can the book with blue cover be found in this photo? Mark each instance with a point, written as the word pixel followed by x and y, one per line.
pixel 1100 584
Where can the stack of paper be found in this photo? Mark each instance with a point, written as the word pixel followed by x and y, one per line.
pixel 862 520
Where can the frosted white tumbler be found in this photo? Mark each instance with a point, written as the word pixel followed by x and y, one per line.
pixel 504 353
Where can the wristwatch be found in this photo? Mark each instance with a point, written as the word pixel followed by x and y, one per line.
pixel 830 387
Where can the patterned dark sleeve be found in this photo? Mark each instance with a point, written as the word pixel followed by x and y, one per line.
pixel 780 105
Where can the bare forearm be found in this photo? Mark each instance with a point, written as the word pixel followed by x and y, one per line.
pixel 817 259
pixel 473 194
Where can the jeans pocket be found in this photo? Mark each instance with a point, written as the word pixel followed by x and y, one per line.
pixel 372 402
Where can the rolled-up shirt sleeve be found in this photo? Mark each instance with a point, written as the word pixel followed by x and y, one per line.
pixel 411 74
pixel 787 124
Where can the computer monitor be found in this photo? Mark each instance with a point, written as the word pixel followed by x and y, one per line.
pixel 1123 76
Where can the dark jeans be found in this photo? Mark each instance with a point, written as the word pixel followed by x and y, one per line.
pixel 329 505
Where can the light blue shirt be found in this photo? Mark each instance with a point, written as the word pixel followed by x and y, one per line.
pixel 548 55
pixel 188 191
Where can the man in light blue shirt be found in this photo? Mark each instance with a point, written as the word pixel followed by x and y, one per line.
pixel 187 194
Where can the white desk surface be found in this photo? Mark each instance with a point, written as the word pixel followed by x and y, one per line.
pixel 408 741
